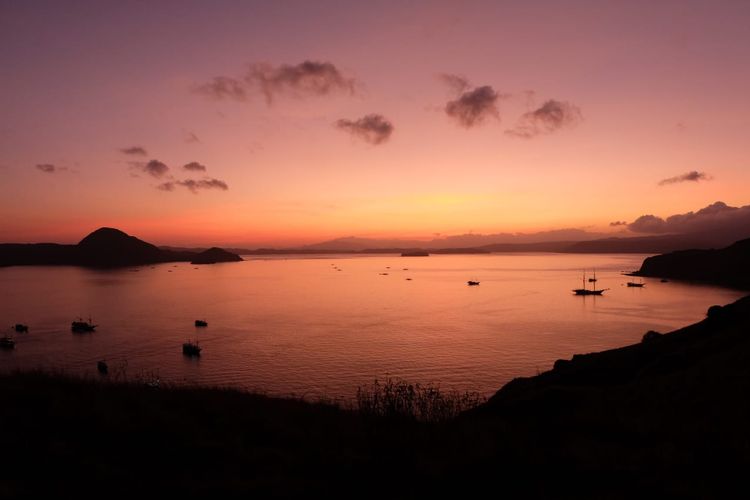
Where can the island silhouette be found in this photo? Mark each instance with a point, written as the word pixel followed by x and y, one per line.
pixel 105 247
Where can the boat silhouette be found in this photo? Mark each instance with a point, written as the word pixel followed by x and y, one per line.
pixel 7 343
pixel 191 349
pixel 81 326
pixel 586 291
pixel 472 283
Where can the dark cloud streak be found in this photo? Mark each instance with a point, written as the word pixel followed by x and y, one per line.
pixel 194 166
pixel 372 128
pixel 134 150
pixel 194 185
pixel 47 168
pixel 693 176
pixel 308 78
pixel 552 116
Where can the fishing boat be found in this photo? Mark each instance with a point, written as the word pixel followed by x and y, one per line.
pixel 472 283
pixel 191 349
pixel 201 322
pixel 636 284
pixel 19 328
pixel 81 326
pixel 7 343
pixel 586 291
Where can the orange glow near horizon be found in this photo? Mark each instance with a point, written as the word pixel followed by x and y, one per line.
pixel 659 96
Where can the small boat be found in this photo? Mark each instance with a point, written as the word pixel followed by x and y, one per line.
pixel 408 279
pixel 102 367
pixel 7 343
pixel 18 327
pixel 586 291
pixel 415 254
pixel 472 283
pixel 200 322
pixel 383 274
pixel 191 349
pixel 81 326
pixel 636 284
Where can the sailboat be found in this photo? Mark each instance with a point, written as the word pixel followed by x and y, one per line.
pixel 585 291
pixel 636 284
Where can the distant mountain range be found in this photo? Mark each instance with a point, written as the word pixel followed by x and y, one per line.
pixel 635 244
pixel 105 247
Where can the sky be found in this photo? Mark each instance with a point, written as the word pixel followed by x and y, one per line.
pixel 276 123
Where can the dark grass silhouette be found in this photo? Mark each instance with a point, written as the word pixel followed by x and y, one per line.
pixel 667 417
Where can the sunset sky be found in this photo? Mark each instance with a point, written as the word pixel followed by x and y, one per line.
pixel 304 121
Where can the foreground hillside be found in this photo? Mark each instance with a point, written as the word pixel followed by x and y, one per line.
pixel 666 417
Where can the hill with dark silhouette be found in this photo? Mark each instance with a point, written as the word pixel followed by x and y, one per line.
pixel 105 247
pixel 664 418
pixel 214 255
pixel 727 266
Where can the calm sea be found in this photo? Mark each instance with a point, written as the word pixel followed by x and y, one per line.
pixel 327 324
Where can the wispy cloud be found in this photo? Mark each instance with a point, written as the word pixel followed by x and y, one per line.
pixel 223 87
pixel 134 150
pixel 457 83
pixel 473 107
pixel 692 176
pixel 552 116
pixel 308 78
pixel 47 168
pixel 154 168
pixel 191 138
pixel 372 128
pixel 194 166
pixel 194 185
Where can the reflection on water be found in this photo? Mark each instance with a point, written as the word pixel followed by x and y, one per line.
pixel 300 325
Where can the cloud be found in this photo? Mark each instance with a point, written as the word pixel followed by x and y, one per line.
pixel 552 116
pixel 693 176
pixel 308 78
pixel 457 83
pixel 223 87
pixel 715 218
pixel 134 150
pixel 474 106
pixel 618 223
pixel 372 128
pixel 154 168
pixel 47 168
pixel 194 185
pixel 194 166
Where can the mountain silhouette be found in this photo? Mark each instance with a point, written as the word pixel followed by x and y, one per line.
pixel 214 255
pixel 105 247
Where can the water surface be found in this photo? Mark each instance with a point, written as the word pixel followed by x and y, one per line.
pixel 299 325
